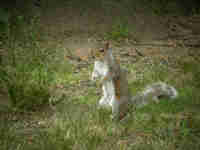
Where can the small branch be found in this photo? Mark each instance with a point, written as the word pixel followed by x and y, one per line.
pixel 139 53
pixel 166 45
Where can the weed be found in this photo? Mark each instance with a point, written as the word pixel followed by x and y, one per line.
pixel 26 76
pixel 118 31
pixel 193 69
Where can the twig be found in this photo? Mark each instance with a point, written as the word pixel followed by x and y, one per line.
pixel 166 45
pixel 139 53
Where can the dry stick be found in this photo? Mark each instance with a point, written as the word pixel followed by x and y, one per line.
pixel 162 45
pixel 180 37
pixel 12 38
pixel 46 5
pixel 139 53
pixel 165 45
pixel 70 53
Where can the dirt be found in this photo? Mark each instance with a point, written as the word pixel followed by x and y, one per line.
pixel 81 29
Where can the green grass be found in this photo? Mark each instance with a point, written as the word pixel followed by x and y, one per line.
pixel 78 124
pixel 81 126
pixel 33 79
pixel 118 32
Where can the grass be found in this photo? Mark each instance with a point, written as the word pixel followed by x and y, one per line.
pixel 81 126
pixel 78 124
pixel 43 76
pixel 119 31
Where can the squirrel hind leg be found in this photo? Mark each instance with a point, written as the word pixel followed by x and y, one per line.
pixel 159 97
pixel 173 93
pixel 170 90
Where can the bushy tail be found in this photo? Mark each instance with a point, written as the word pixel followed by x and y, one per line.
pixel 154 92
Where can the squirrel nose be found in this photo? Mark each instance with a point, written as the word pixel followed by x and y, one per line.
pixel 93 77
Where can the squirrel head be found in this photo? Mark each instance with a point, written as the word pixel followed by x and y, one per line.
pixel 101 52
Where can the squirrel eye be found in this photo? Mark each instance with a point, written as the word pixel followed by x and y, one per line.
pixel 101 49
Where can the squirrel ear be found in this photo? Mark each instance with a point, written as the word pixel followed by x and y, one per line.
pixel 107 45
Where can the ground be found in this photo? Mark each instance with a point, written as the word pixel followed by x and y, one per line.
pixel 152 48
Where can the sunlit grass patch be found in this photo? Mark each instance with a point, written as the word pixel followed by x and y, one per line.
pixel 81 124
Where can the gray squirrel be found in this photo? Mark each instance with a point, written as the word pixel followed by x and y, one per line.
pixel 115 86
